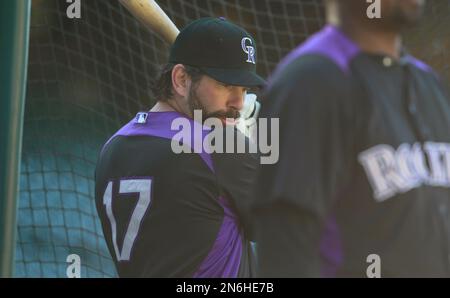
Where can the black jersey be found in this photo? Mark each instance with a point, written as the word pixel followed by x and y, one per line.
pixel 364 165
pixel 172 215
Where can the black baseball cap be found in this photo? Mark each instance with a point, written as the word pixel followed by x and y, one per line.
pixel 219 48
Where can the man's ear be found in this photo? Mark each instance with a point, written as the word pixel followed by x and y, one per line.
pixel 180 80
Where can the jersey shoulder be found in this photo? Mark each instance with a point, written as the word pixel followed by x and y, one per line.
pixel 319 69
pixel 327 50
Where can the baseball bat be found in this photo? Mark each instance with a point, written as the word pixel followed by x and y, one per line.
pixel 153 17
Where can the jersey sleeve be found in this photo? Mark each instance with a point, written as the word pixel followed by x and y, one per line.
pixel 236 176
pixel 312 99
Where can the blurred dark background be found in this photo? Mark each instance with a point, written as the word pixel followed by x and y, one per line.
pixel 89 76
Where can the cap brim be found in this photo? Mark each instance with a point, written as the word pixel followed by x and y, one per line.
pixel 235 77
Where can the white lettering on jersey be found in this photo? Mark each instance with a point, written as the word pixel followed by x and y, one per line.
pixel 392 172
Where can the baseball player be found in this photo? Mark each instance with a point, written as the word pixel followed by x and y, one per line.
pixel 362 186
pixel 179 215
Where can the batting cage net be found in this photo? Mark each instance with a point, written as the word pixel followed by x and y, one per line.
pixel 88 76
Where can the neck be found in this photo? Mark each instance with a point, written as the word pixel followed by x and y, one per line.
pixel 163 106
pixel 372 38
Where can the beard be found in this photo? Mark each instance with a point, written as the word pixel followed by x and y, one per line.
pixel 403 17
pixel 196 104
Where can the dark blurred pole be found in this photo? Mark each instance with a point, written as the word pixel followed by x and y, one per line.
pixel 15 28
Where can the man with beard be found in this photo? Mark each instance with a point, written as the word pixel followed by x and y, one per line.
pixel 362 186
pixel 178 215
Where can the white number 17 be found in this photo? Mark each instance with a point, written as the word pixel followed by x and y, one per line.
pixel 141 186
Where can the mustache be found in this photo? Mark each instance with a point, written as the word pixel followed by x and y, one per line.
pixel 231 113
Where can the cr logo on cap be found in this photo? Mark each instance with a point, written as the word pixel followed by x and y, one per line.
pixel 249 50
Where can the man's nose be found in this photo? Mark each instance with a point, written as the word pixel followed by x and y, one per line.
pixel 236 99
